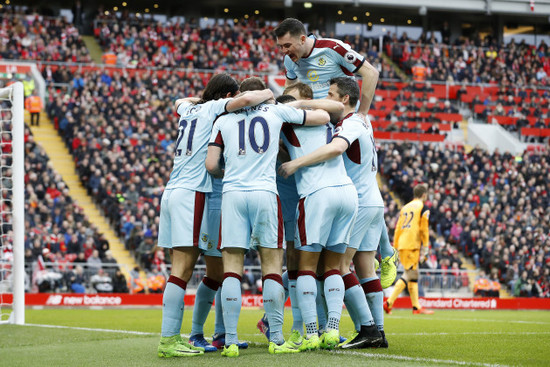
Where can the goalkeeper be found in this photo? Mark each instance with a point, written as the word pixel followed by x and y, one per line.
pixel 411 234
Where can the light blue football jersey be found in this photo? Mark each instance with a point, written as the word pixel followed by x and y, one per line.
pixel 328 59
pixel 195 127
pixel 360 158
pixel 250 141
pixel 300 141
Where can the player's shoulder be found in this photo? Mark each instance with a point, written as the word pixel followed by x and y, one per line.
pixel 330 43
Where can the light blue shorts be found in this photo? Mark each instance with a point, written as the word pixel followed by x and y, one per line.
pixel 181 216
pixel 210 233
pixel 368 228
pixel 289 202
pixel 326 218
pixel 251 219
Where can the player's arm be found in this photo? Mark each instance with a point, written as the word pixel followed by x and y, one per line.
pixel 334 108
pixel 213 158
pixel 424 229
pixel 185 100
pixel 316 117
pixel 369 74
pixel 251 98
pixel 333 149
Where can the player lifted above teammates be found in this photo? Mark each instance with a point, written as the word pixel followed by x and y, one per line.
pixel 315 61
pixel 411 234
pixel 183 201
pixel 251 211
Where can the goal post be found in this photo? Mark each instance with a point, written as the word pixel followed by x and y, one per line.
pixel 12 246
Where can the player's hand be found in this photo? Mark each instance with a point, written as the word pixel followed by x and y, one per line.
pixel 287 169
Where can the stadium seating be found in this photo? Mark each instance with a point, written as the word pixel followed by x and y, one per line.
pixel 493 208
pixel 37 37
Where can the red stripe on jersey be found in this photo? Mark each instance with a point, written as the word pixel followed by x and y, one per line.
pixel 197 220
pixel 342 51
pixel 310 51
pixel 290 135
pixel 346 71
pixel 219 139
pixel 354 152
pixel 302 222
pixel 220 233
pixel 280 224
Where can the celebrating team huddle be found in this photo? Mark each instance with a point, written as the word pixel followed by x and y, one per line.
pixel 330 215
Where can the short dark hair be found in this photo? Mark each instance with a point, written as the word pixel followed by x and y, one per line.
pixel 218 87
pixel 285 98
pixel 252 83
pixel 292 26
pixel 420 190
pixel 304 90
pixel 347 86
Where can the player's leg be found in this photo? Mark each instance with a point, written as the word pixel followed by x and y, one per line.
pixel 306 293
pixel 267 229
pixel 234 241
pixel 364 265
pixel 388 270
pixel 292 261
pixel 181 215
pixel 320 300
pixel 341 206
pixel 405 257
pixel 412 286
pixel 334 295
pixel 206 292
pixel 354 298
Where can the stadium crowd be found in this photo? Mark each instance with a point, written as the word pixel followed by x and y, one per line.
pixel 473 60
pixel 57 231
pixel 30 36
pixel 248 45
pixel 492 208
pixel 119 128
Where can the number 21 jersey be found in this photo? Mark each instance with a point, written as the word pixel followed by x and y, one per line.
pixel 195 127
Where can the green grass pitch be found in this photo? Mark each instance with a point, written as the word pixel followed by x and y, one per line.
pixel 476 338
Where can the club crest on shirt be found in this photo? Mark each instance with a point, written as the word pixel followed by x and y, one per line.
pixel 312 75
pixel 210 245
pixel 322 61
pixel 204 237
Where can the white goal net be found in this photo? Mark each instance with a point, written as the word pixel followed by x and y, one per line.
pixel 12 221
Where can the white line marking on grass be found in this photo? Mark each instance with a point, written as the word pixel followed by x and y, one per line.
pixel 415 359
pixel 479 333
pixel 470 320
pixel 93 329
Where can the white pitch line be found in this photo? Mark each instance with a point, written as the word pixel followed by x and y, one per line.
pixel 93 329
pixel 478 333
pixel 416 359
pixel 471 320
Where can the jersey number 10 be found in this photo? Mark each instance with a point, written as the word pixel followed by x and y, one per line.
pixel 252 135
